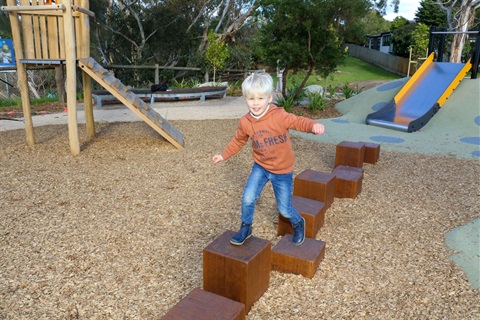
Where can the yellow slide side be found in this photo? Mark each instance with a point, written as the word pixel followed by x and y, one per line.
pixel 414 78
pixel 455 83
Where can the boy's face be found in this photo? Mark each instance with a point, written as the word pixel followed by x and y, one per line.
pixel 258 102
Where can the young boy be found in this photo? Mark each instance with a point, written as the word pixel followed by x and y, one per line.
pixel 267 127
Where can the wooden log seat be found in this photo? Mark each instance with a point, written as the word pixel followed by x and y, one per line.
pixel 303 260
pixel 204 305
pixel 312 211
pixel 350 154
pixel 348 181
pixel 240 273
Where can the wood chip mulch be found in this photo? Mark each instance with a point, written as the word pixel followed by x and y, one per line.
pixel 118 232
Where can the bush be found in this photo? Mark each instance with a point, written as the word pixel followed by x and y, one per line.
pixel 349 92
pixel 316 101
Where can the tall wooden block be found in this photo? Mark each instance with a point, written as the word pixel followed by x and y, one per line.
pixel 315 185
pixel 348 181
pixel 203 305
pixel 312 211
pixel 240 273
pixel 350 154
pixel 303 259
pixel 372 152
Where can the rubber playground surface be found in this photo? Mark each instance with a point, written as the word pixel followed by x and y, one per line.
pixel 454 131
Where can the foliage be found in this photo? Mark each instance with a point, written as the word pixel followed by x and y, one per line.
pixel 398 23
pixel 420 39
pixel 234 89
pixel 183 83
pixel 216 53
pixel 290 98
pixel 301 36
pixel 372 23
pixel 331 91
pixel 402 40
pixel 430 14
pixel 287 102
pixel 316 101
pixel 349 19
pixel 18 102
pixel 349 92
pixel 5 31
pixel 381 5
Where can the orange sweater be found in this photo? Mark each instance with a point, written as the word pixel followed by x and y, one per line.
pixel 272 147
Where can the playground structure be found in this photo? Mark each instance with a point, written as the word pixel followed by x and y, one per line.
pixel 57 35
pixel 426 91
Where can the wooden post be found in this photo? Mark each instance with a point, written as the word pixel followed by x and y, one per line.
pixel 157 73
pixel 22 75
pixel 70 63
pixel 84 43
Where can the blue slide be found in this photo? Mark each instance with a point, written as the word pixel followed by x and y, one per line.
pixel 421 97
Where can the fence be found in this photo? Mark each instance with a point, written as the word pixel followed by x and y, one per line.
pixel 385 61
pixel 148 73
pixel 223 75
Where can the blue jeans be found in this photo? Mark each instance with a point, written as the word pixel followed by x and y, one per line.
pixel 282 187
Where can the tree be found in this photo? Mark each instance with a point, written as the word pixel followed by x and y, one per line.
pixel 216 53
pixel 399 22
pixel 382 5
pixel 402 39
pixel 419 43
pixel 460 17
pixel 301 36
pixel 5 31
pixel 373 23
pixel 169 32
pixel 430 14
pixel 349 19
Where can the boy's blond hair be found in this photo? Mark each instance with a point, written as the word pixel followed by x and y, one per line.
pixel 258 83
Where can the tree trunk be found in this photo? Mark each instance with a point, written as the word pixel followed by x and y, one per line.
pixel 464 17
pixel 284 82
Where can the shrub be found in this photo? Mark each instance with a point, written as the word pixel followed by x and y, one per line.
pixel 316 101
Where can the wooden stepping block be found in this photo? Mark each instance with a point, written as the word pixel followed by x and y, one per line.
pixel 303 259
pixel 240 273
pixel 348 181
pixel 315 185
pixel 350 154
pixel 372 152
pixel 312 211
pixel 203 305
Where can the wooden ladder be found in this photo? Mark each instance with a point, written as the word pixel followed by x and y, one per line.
pixel 125 95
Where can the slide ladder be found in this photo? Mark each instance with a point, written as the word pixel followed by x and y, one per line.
pixel 125 95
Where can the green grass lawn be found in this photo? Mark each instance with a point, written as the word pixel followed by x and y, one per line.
pixel 352 70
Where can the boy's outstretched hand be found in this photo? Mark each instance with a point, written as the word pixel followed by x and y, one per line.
pixel 318 128
pixel 217 158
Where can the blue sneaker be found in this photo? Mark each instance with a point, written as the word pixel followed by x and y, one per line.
pixel 298 232
pixel 243 234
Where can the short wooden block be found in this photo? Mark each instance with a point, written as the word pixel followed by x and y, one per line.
pixel 312 211
pixel 350 154
pixel 203 305
pixel 372 152
pixel 240 273
pixel 303 259
pixel 348 181
pixel 315 185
